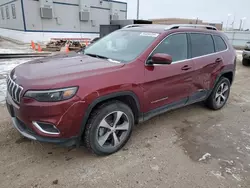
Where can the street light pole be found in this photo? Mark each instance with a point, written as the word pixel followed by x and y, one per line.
pixel 138 9
pixel 228 17
pixel 242 20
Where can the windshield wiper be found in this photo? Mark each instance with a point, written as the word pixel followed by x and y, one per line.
pixel 113 61
pixel 103 57
pixel 97 56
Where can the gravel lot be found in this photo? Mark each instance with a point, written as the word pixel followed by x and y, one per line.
pixel 187 148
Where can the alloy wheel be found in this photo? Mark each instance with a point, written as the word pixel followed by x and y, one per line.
pixel 113 129
pixel 222 94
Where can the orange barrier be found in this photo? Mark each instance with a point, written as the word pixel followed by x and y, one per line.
pixel 67 48
pixel 33 46
pixel 39 48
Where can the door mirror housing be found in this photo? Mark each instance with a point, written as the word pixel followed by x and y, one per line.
pixel 160 59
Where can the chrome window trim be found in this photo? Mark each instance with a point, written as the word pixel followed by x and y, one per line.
pixel 192 58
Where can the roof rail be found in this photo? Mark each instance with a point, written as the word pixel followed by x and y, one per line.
pixel 177 26
pixel 133 25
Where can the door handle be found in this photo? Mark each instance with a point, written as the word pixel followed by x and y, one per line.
pixel 218 60
pixel 186 67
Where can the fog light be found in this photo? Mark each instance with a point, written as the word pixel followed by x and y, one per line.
pixel 46 128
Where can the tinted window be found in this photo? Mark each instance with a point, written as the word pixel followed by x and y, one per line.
pixel 174 45
pixel 202 44
pixel 219 43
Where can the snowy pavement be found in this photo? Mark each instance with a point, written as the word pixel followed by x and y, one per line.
pixel 9 47
pixel 6 65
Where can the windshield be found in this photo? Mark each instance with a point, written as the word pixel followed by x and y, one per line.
pixel 121 45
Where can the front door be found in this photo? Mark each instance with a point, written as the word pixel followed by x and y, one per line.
pixel 169 85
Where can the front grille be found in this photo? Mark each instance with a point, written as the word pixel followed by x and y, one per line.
pixel 14 90
pixel 247 49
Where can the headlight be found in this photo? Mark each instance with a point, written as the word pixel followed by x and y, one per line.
pixel 52 95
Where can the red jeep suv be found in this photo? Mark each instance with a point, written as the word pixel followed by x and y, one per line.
pixel 127 77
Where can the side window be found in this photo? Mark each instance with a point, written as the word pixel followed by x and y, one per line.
pixel 13 8
pixel 219 43
pixel 2 13
pixel 174 45
pixel 202 44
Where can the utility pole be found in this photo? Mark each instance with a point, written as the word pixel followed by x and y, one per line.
pixel 197 19
pixel 138 9
pixel 228 18
pixel 240 24
pixel 233 23
pixel 242 20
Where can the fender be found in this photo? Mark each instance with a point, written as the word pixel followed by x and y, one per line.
pixel 218 78
pixel 220 75
pixel 104 98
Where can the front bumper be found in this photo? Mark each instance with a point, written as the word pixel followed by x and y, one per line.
pixel 28 133
pixel 66 116
pixel 246 54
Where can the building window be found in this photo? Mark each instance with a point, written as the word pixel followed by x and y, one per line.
pixel 13 8
pixel 7 12
pixel 2 13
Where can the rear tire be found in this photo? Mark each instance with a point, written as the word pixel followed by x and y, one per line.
pixel 219 95
pixel 108 128
pixel 245 62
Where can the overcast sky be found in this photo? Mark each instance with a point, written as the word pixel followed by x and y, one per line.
pixel 207 10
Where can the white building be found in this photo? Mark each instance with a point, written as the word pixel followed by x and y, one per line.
pixel 40 20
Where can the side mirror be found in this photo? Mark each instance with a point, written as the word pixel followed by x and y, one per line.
pixel 160 59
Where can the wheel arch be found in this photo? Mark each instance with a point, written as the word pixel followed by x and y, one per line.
pixel 227 74
pixel 127 97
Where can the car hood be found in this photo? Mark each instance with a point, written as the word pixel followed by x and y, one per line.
pixel 61 68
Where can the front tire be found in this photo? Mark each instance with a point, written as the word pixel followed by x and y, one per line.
pixel 109 128
pixel 219 95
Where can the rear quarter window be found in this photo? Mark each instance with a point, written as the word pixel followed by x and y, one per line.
pixel 219 43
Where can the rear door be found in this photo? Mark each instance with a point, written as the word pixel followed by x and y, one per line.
pixel 206 62
pixel 169 85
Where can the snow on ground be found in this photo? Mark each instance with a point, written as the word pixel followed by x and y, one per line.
pixel 9 47
pixel 6 65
